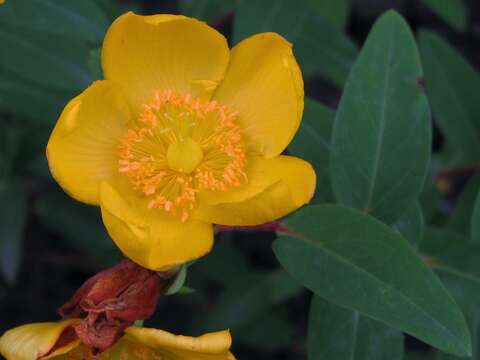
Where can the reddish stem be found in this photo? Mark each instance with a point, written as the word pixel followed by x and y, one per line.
pixel 273 226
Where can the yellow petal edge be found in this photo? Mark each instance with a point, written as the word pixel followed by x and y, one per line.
pixel 32 341
pixel 82 149
pixel 212 346
pixel 145 54
pixel 264 84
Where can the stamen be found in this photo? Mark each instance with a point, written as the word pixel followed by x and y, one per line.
pixel 179 146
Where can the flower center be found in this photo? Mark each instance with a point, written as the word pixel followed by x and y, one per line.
pixel 180 145
pixel 184 156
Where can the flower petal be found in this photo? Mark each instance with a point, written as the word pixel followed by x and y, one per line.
pixel 146 54
pixel 82 150
pixel 212 346
pixel 294 187
pixel 150 237
pixel 32 341
pixel 264 83
pixel 261 174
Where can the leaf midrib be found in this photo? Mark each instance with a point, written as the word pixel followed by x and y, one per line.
pixel 382 123
pixel 341 259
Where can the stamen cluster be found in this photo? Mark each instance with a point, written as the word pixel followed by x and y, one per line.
pixel 209 134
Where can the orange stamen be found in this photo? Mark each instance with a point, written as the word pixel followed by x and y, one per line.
pixel 210 128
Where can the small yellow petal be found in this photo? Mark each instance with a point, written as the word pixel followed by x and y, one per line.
pixel 212 346
pixel 82 150
pixel 151 237
pixel 32 341
pixel 264 83
pixel 294 187
pixel 147 54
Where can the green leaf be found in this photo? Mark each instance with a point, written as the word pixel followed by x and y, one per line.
pixel 437 240
pixel 44 104
pixel 448 248
pixel 71 18
pixel 319 47
pixel 430 196
pixel 12 222
pixel 336 333
pixel 419 355
pixel 455 260
pixel 177 284
pixel 112 9
pixel 466 292
pixel 461 218
pixel 224 264
pixel 312 143
pixel 452 86
pixel 410 224
pixel 251 296
pixel 335 11
pixel 185 290
pixel 50 60
pixel 280 332
pixel 10 143
pixel 381 136
pixel 475 222
pixel 78 223
pixel 453 12
pixel 94 64
pixel 353 260
pixel 206 10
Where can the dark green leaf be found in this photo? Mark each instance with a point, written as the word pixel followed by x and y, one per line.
pixel 430 197
pixel 12 222
pixel 420 354
pixel 355 261
pixel 94 64
pixel 335 11
pixel 460 221
pixel 451 249
pixel 466 292
pixel 336 333
pixel 206 10
pixel 10 139
pixel 381 136
pixel 475 222
pixel 455 260
pixel 452 11
pixel 251 296
pixel 452 86
pixel 114 9
pixel 437 240
pixel 51 60
pixel 71 18
pixel 80 224
pixel 280 332
pixel 410 225
pixel 44 104
pixel 224 264
pixel 319 47
pixel 177 283
pixel 312 143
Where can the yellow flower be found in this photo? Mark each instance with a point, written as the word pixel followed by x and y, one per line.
pixel 53 340
pixel 183 133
